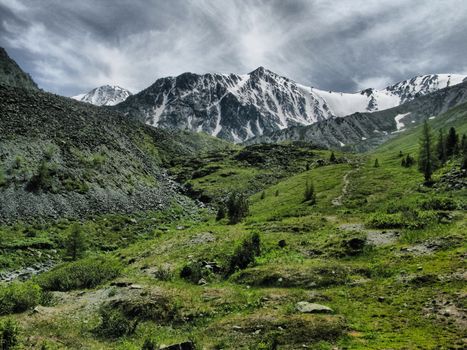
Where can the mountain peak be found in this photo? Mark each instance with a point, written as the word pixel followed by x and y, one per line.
pixel 105 95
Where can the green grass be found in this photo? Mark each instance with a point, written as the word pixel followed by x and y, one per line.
pixel 382 295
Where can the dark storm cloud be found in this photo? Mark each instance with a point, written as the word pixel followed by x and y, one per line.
pixel 73 46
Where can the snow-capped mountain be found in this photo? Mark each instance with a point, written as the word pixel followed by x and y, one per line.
pixel 239 107
pixel 106 95
pixel 233 107
pixel 370 100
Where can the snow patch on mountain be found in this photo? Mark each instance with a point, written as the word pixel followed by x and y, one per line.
pixel 370 100
pixel 399 125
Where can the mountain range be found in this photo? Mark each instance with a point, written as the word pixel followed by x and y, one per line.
pixel 240 107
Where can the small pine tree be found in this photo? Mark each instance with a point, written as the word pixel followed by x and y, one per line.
pixel 277 193
pixel 237 207
pixel 75 244
pixel 220 212
pixel 409 161
pixel 464 144
pixel 263 195
pixel 2 176
pixel 401 154
pixel 441 148
pixel 452 142
pixel 332 158
pixel 376 165
pixel 307 166
pixel 464 161
pixel 310 195
pixel 427 155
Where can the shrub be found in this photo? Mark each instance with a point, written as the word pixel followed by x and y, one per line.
pixel 245 253
pixel 237 207
pixel 332 158
pixel 412 219
pixel 220 212
pixel 439 203
pixel 114 324
pixel 149 344
pixel 75 243
pixel 19 297
pixel 163 273
pixel 263 195
pixel 85 273
pixel 43 180
pixel 310 195
pixel 9 331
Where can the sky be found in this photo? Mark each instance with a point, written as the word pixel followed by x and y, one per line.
pixel 70 47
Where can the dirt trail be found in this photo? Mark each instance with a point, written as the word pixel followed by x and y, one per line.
pixel 338 201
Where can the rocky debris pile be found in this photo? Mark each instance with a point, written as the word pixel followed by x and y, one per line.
pixel 455 179
pixel 63 158
pixel 27 272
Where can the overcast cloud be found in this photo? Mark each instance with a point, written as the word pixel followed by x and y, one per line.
pixel 72 46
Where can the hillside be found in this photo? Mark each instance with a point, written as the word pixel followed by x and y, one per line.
pixel 63 158
pixel 11 74
pixel 377 262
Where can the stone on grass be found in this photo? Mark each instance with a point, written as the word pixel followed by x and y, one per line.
pixel 312 308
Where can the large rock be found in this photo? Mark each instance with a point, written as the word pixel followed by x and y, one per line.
pixel 188 345
pixel 312 308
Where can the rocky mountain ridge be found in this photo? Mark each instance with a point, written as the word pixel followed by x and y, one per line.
pixel 240 107
pixel 363 131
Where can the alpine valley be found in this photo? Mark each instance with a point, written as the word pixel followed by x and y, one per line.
pixel 233 212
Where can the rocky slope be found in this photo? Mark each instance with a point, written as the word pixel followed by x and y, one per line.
pixel 64 158
pixel 240 107
pixel 11 74
pixel 363 131
pixel 106 95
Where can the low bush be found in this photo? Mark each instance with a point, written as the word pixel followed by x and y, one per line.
pixel 19 297
pixel 412 219
pixel 114 324
pixel 85 273
pixel 439 203
pixel 9 332
pixel 245 254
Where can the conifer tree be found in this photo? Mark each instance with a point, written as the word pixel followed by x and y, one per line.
pixel 237 207
pixel 376 165
pixel 427 156
pixel 401 154
pixel 452 141
pixel 310 195
pixel 332 158
pixel 464 144
pixel 75 244
pixel 441 148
